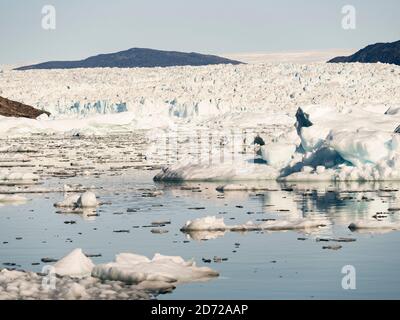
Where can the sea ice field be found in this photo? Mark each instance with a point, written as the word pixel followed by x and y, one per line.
pixel 255 181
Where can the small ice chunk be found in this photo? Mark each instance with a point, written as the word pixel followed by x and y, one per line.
pixel 204 224
pixel 302 223
pixel 75 264
pixel 218 224
pixel 87 200
pixel 232 187
pixel 374 224
pixel 68 202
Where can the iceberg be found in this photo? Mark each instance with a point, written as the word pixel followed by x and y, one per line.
pixel 334 144
pixel 239 170
pixel 134 269
pixel 75 264
pixel 79 201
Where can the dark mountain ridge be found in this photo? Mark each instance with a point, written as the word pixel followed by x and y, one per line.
pixel 135 58
pixel 379 52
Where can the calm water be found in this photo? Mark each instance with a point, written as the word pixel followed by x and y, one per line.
pixel 259 264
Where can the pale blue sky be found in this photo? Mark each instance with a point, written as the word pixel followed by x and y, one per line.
pixel 87 27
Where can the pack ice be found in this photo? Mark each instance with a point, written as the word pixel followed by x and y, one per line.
pixel 131 276
pixel 101 100
pixel 318 121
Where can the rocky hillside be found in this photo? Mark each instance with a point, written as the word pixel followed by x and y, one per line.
pixel 379 52
pixel 9 108
pixel 134 58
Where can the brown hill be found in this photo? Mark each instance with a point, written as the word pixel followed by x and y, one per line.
pixel 9 108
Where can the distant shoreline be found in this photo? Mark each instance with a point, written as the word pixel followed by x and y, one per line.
pixel 308 56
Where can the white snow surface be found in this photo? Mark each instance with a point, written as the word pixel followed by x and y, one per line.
pixel 75 264
pixel 159 97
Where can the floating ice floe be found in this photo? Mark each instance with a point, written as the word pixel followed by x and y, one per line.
pixel 68 202
pixel 218 224
pixel 241 187
pixel 374 225
pixel 76 201
pixel 240 170
pixel 133 268
pixel 211 223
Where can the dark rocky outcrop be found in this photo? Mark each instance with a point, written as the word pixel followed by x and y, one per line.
pixel 9 108
pixel 379 52
pixel 134 58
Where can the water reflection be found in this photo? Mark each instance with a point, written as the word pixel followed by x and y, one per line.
pixel 86 214
pixel 373 204
pixel 204 235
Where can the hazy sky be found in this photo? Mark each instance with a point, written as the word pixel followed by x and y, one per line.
pixel 87 27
